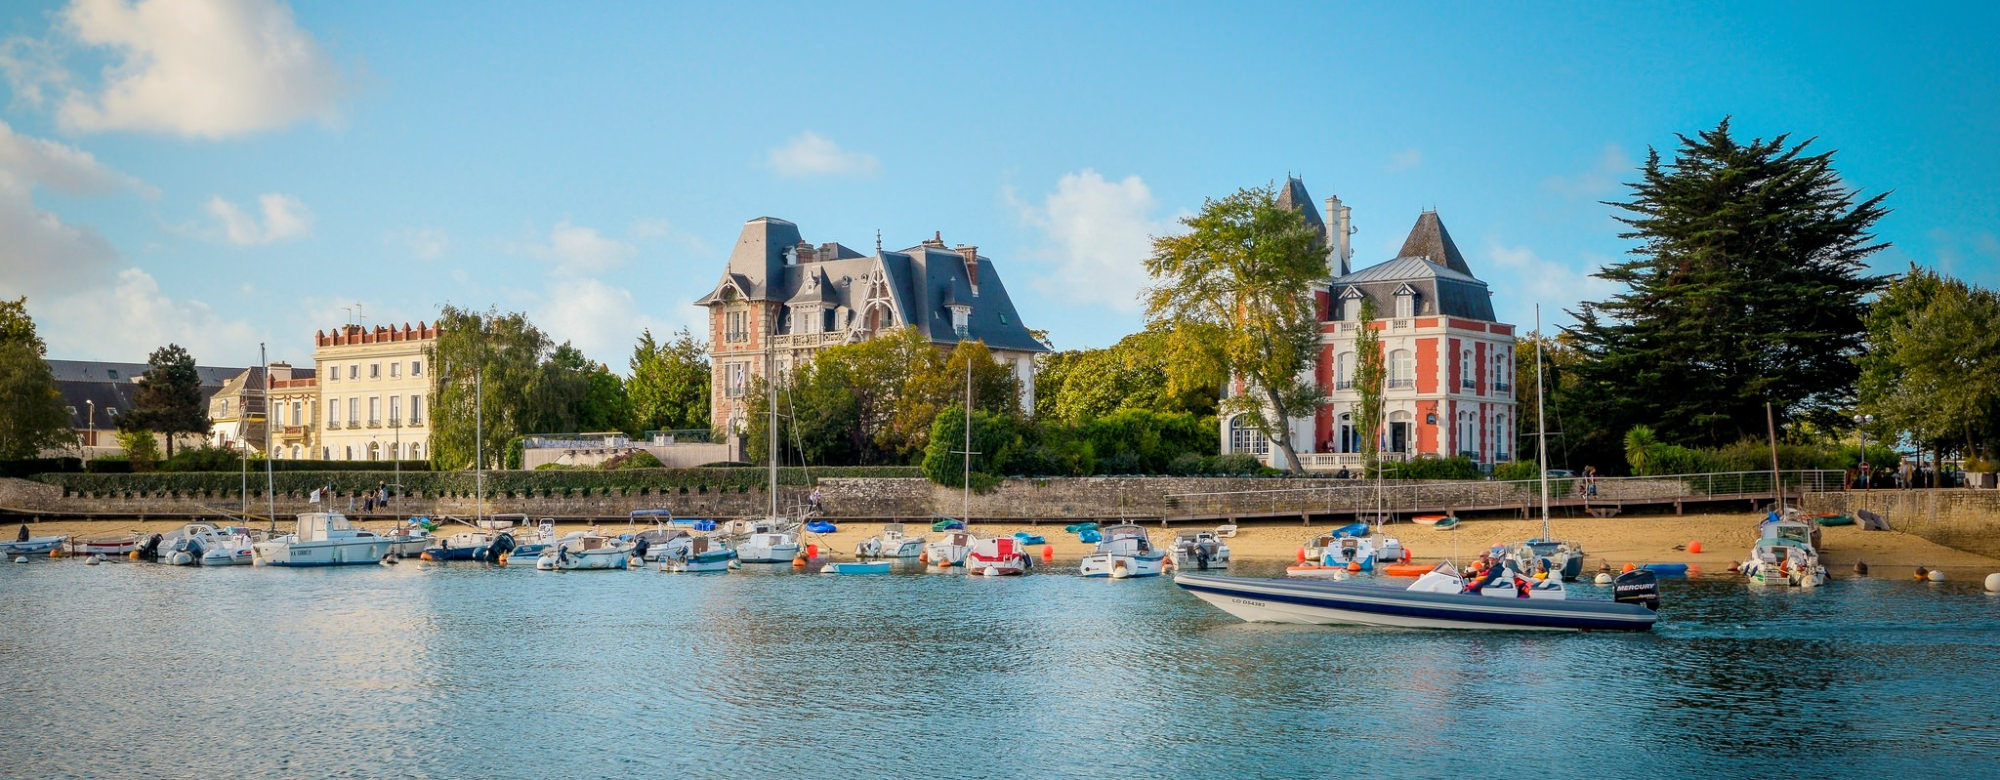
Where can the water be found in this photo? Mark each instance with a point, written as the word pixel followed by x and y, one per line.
pixel 142 670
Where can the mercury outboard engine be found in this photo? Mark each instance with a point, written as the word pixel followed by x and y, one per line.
pixel 639 548
pixel 501 545
pixel 150 551
pixel 1202 552
pixel 1637 586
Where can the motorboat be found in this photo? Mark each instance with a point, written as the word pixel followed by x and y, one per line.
pixel 33 545
pixel 1124 551
pixel 892 542
pixel 230 546
pixel 584 551
pixel 1791 524
pixel 996 557
pixel 529 545
pixel 949 549
pixel 1440 599
pixel 690 553
pixel 462 546
pixel 412 540
pixel 502 522
pixel 856 567
pixel 323 539
pixel 1556 556
pixel 1200 550
pixel 766 541
pixel 182 546
pixel 1784 562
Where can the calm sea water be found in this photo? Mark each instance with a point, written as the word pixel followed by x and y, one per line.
pixel 463 671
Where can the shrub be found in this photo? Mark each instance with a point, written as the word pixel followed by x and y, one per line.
pixel 1457 467
pixel 1237 464
pixel 638 459
pixel 203 458
pixel 1514 470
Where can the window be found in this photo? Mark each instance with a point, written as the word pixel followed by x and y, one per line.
pixel 416 451
pixel 1245 438
pixel 416 410
pixel 1343 371
pixel 1003 319
pixel 734 379
pixel 332 413
pixel 374 410
pixel 1501 382
pixel 298 415
pixel 395 370
pixel 1500 438
pixel 353 371
pixel 225 408
pixel 1406 304
pixel 353 413
pixel 374 370
pixel 297 451
pixel 1468 443
pixel 1402 369
pixel 736 326
pixel 1465 375
pixel 395 410
pixel 416 368
pixel 347 452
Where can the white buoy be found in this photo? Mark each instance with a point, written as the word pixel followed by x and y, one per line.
pixel 1937 575
pixel 93 560
pixel 1603 578
pixel 992 571
pixel 21 559
pixel 1993 583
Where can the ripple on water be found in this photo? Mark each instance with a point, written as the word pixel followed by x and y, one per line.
pixel 461 670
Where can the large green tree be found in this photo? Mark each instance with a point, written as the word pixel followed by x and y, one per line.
pixel 573 394
pixel 1747 286
pixel 32 416
pixel 669 388
pixel 1933 367
pixel 1082 385
pixel 169 399
pixel 491 356
pixel 1370 375
pixel 1235 295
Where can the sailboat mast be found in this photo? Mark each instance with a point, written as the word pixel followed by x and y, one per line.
pixel 771 400
pixel 1541 422
pixel 965 503
pixel 1777 488
pixel 270 499
pixel 479 439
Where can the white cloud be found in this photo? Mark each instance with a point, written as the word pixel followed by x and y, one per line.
pixel 285 218
pixel 1098 234
pixel 574 248
pixel 195 68
pixel 811 154
pixel 81 325
pixel 1405 160
pixel 600 319
pixel 39 252
pixel 1600 180
pixel 424 243
pixel 1529 279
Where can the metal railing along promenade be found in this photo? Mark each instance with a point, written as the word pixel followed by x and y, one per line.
pixel 1405 497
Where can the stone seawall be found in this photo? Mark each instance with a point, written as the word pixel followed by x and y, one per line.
pixel 1958 518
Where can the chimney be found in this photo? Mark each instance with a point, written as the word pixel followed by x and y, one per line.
pixel 971 255
pixel 936 239
pixel 806 253
pixel 1340 224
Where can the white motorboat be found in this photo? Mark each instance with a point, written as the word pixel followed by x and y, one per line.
pixel 323 539
pixel 690 553
pixel 996 557
pixel 1200 550
pixel 1784 562
pixel 891 543
pixel 585 551
pixel 1565 558
pixel 1439 599
pixel 766 541
pixel 529 545
pixel 230 546
pixel 1124 551
pixel 949 549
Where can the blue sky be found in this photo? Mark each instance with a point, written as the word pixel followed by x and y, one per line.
pixel 224 172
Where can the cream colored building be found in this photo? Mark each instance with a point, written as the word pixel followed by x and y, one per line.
pixel 294 413
pixel 374 392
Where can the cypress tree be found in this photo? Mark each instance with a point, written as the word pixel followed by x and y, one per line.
pixel 1747 286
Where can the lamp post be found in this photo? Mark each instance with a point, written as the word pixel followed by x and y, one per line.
pixel 92 436
pixel 1861 421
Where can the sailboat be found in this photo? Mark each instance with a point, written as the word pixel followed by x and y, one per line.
pixel 774 539
pixel 1543 553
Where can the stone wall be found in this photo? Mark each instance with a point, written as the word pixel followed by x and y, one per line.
pixel 1958 518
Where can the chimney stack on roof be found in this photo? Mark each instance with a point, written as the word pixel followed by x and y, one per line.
pixel 1339 228
pixel 936 239
pixel 971 255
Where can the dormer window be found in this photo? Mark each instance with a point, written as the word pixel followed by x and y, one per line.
pixel 1350 305
pixel 961 321
pixel 1406 302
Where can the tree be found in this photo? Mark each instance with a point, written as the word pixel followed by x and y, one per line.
pixel 669 388
pixel 1369 377
pixel 491 355
pixel 1234 293
pixel 141 449
pixel 570 393
pixel 1746 286
pixel 1083 385
pixel 169 399
pixel 32 416
pixel 1933 366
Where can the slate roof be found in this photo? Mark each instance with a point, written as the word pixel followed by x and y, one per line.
pixel 921 280
pixel 1429 264
pixel 1430 241
pixel 1293 196
pixel 111 386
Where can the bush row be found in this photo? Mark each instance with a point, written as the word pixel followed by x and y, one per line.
pixel 463 483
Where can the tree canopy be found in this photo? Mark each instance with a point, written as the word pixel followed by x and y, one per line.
pixel 32 416
pixel 489 355
pixel 1747 285
pixel 1933 368
pixel 1234 293
pixel 169 399
pixel 669 388
pixel 1080 385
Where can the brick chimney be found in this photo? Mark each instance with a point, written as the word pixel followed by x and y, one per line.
pixel 971 255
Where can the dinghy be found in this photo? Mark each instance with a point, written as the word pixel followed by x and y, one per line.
pixel 1439 599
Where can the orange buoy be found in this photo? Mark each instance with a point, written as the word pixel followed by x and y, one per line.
pixel 812 551
pixel 1302 555
pixel 1406 555
pixel 1354 566
pixel 1628 567
pixel 134 555
pixel 1694 547
pixel 426 556
pixel 799 562
pixel 924 557
pixel 1048 552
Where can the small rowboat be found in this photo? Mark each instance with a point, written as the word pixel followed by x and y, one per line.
pixel 109 544
pixel 1667 569
pixel 856 567
pixel 1407 569
pixel 1833 519
pixel 1428 519
pixel 822 527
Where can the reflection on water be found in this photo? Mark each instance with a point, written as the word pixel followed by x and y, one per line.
pixel 462 670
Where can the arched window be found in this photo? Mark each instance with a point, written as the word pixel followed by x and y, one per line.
pixel 1402 369
pixel 1245 438
pixel 1468 435
pixel 348 453
pixel 417 451
pixel 296 452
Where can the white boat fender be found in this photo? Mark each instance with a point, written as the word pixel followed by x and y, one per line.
pixel 992 571
pixel 1937 575
pixel 1603 578
pixel 94 560
pixel 21 559
pixel 1993 583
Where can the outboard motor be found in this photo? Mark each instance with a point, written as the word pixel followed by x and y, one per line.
pixel 1638 586
pixel 501 545
pixel 639 548
pixel 150 551
pixel 1201 556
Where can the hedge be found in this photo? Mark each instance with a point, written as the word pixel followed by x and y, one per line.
pixel 464 483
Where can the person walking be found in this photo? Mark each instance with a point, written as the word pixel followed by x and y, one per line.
pixel 1590 480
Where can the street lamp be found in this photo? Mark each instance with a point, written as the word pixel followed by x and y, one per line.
pixel 1861 421
pixel 92 407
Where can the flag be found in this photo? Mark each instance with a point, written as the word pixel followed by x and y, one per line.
pixel 315 495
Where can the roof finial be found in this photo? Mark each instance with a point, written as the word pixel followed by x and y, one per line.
pixel 878 241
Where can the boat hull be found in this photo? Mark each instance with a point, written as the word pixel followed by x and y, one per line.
pixel 856 567
pixel 715 561
pixel 1349 603
pixel 39 545
pixel 1116 566
pixel 332 552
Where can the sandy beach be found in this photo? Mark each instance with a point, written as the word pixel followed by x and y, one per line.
pixel 1724 538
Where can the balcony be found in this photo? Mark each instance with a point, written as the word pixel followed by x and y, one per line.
pixel 352 425
pixel 374 423
pixel 1468 384
pixel 416 422
pixel 1503 387
pixel 395 423
pixel 736 335
pixel 1402 384
pixel 333 425
pixel 1345 384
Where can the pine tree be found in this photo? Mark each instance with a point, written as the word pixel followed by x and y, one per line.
pixel 169 401
pixel 1747 286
